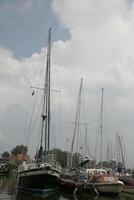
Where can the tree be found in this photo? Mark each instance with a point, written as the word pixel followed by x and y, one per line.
pixel 19 149
pixel 5 155
pixel 12 164
pixel 60 156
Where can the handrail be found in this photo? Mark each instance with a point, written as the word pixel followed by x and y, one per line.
pixel 33 165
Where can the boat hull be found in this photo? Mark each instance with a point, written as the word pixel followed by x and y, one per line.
pixel 128 189
pixel 109 188
pixel 38 181
pixel 128 185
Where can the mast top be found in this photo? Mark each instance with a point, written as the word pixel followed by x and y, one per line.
pixel 49 30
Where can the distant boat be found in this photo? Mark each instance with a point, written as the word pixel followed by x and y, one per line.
pixel 128 196
pixel 128 184
pixel 72 177
pixel 3 169
pixel 103 182
pixel 42 174
pixel 107 184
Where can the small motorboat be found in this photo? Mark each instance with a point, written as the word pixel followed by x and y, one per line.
pixel 106 184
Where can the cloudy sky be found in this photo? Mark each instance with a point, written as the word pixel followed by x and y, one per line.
pixel 90 39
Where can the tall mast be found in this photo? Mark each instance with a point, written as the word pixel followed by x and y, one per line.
pixel 117 149
pixel 108 152
pixel 49 84
pixel 101 126
pixel 46 101
pixel 86 137
pixel 76 120
pixel 121 149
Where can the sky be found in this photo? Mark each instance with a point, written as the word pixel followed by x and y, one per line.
pixel 90 40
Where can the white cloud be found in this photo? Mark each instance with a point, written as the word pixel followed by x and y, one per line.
pixel 100 50
pixel 1 135
pixel 16 78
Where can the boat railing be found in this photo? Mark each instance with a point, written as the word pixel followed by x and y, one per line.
pixel 54 164
pixel 33 165
pixel 27 166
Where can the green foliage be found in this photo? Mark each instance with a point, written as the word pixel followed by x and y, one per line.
pixel 76 160
pixel 11 165
pixel 63 156
pixel 19 149
pixel 5 155
pixel 60 156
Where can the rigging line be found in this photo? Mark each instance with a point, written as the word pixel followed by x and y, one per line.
pixel 121 150
pixel 97 139
pixel 31 119
pixel 83 102
pixel 96 145
pixel 40 74
pixel 36 116
pixel 113 149
pixel 100 128
pixel 79 128
pixel 85 115
pixel 76 120
pixel 30 124
pixel 60 118
pixel 43 61
pixel 36 128
pixel 89 152
pixel 108 152
pixel 56 74
pixel 79 140
pixel 45 89
pixel 38 138
pixel 56 119
pixel 117 149
pixel 52 134
pixel 26 119
pixel 86 138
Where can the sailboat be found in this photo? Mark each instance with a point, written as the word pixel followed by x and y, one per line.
pixel 102 181
pixel 73 178
pixel 42 174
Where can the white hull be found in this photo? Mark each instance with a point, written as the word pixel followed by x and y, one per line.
pixel 111 188
pixel 40 171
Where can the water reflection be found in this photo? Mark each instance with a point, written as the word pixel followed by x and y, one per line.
pixel 127 196
pixel 7 187
pixel 8 191
pixel 54 196
pixel 60 196
pixel 105 197
pixel 66 196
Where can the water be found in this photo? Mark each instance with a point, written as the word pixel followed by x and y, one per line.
pixel 8 191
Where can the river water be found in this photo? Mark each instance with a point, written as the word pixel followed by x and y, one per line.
pixel 8 191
